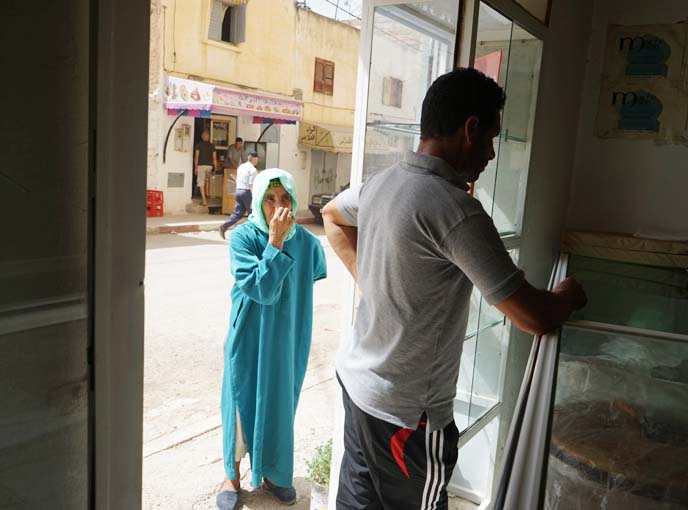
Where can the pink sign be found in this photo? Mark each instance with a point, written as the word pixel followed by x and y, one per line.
pixel 490 64
pixel 234 102
pixel 183 94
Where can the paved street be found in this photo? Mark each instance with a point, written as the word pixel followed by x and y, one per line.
pixel 187 309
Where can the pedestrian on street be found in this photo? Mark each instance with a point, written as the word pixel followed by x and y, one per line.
pixel 236 155
pixel 275 263
pixel 417 242
pixel 205 160
pixel 246 173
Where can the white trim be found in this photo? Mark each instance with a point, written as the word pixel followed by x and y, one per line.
pixel 512 241
pixel 42 312
pixel 428 469
pixel 647 334
pixel 479 425
pixel 122 53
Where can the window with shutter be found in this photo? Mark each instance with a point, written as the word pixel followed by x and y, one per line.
pixel 392 90
pixel 227 21
pixel 323 80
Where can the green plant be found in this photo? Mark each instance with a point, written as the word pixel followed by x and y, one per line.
pixel 319 465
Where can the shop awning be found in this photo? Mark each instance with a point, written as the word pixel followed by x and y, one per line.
pixel 326 138
pixel 235 102
pixel 183 94
pixel 204 99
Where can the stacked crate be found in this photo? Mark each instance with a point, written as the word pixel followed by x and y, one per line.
pixel 154 203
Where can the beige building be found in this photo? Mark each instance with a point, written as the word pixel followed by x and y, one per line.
pixel 250 60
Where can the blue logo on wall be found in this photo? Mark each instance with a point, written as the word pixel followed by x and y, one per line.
pixel 645 56
pixel 638 111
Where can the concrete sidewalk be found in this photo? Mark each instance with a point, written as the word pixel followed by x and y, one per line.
pixel 181 223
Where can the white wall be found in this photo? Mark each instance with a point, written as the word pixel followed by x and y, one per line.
pixel 623 185
pixel 295 159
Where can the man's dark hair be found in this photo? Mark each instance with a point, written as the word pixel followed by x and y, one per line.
pixel 456 96
pixel 238 140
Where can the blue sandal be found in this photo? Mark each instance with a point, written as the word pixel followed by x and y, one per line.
pixel 285 495
pixel 227 500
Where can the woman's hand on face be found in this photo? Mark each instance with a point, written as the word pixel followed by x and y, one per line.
pixel 280 224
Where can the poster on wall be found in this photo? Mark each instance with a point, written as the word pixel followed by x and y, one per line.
pixel 654 111
pixel 648 51
pixel 644 91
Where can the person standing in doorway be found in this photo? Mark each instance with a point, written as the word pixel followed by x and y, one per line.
pixel 246 173
pixel 275 263
pixel 236 155
pixel 417 242
pixel 205 160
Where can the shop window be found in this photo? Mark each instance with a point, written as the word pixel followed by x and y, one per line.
pixel 392 89
pixel 323 82
pixel 227 22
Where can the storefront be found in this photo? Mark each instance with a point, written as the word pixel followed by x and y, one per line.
pixel 263 122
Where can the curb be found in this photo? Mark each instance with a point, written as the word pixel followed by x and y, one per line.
pixel 209 226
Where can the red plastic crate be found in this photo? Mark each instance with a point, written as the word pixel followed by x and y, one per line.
pixel 154 210
pixel 154 197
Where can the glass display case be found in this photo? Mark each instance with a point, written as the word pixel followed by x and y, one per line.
pixel 619 436
pixel 614 434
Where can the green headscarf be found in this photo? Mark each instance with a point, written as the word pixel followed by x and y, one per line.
pixel 261 184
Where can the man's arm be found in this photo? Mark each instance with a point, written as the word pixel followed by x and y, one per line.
pixel 539 311
pixel 475 247
pixel 214 159
pixel 342 236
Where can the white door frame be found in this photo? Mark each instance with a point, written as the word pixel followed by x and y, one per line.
pixel 119 119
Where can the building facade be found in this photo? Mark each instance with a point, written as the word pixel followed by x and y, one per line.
pixel 279 76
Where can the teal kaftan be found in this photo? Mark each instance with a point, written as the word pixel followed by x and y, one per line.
pixel 267 346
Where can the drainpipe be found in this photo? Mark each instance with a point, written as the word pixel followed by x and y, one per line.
pixel 167 138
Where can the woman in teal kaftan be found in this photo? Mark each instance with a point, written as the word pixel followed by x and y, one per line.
pixel 270 330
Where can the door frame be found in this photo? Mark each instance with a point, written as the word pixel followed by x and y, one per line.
pixel 118 136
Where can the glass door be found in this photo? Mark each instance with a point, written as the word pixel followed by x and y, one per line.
pixel 511 56
pixel 405 46
pixel 412 44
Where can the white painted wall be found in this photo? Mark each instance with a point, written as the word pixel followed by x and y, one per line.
pixel 624 185
pixel 295 160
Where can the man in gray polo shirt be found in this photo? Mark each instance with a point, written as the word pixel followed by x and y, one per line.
pixel 417 242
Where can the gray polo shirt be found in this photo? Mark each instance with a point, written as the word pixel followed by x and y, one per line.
pixel 238 155
pixel 423 242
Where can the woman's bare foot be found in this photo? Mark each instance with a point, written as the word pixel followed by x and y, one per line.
pixel 231 485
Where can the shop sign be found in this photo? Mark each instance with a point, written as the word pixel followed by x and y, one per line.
pixel 320 138
pixel 234 102
pixel 183 94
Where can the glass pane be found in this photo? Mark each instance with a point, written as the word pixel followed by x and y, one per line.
pixel 632 295
pixel 413 43
pixel 523 77
pixel 620 424
pixel 493 45
pixel 509 54
pixel 487 364
pixel 464 386
pixel 481 316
